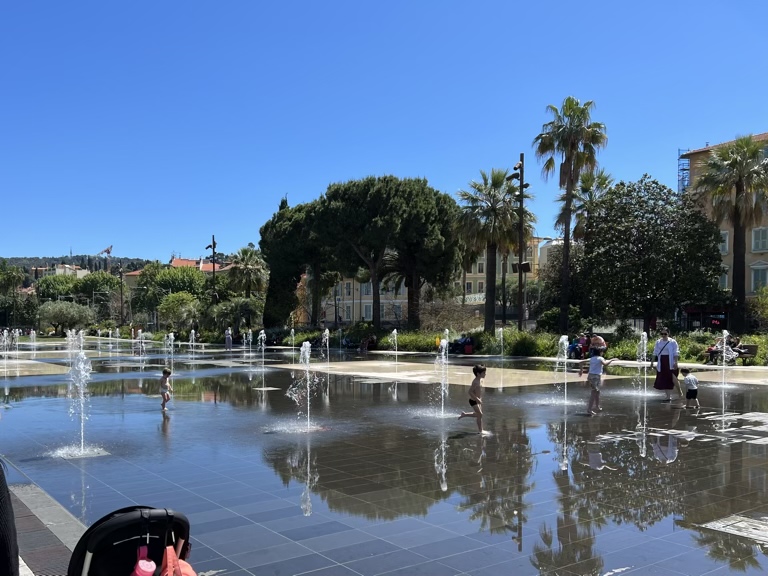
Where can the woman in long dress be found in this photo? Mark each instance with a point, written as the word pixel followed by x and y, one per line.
pixel 666 355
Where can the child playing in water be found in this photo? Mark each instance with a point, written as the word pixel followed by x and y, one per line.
pixel 475 397
pixel 165 387
pixel 596 364
pixel 691 388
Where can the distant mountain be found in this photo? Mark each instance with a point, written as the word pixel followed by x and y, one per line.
pixel 92 263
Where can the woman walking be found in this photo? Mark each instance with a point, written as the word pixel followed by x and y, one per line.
pixel 666 355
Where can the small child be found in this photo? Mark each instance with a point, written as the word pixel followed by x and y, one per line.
pixel 691 388
pixel 476 397
pixel 596 364
pixel 165 387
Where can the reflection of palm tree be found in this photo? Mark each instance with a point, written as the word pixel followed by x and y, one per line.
pixel 499 505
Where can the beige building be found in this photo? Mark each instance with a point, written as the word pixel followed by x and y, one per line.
pixel 59 270
pixel 352 301
pixel 690 166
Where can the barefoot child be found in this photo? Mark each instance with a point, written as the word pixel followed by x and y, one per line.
pixel 691 388
pixel 475 397
pixel 165 387
pixel 596 364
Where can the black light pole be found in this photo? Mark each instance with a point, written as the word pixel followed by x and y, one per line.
pixel 519 174
pixel 212 246
pixel 121 295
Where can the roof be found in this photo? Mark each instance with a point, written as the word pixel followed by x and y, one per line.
pixel 756 137
pixel 134 273
pixel 201 265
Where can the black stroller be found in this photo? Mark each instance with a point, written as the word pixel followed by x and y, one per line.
pixel 110 545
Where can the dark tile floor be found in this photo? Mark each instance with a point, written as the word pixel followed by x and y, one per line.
pixel 384 484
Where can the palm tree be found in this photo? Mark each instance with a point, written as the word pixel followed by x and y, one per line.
pixel 248 271
pixel 735 177
pixel 488 217
pixel 573 136
pixel 592 186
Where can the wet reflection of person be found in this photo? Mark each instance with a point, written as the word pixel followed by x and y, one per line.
pixel 596 461
pixel 475 397
pixel 165 427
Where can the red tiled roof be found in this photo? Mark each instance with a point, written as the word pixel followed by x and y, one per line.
pixel 756 137
pixel 134 273
pixel 184 263
pixel 187 263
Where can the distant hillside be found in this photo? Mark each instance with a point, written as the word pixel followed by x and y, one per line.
pixel 91 263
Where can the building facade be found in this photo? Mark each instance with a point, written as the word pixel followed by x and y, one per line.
pixel 691 164
pixel 351 301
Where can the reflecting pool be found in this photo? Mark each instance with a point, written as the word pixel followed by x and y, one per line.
pixel 384 484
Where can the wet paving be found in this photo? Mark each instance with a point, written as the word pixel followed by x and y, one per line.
pixel 388 481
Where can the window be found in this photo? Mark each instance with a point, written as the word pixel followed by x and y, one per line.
pixel 397 290
pixel 529 252
pixel 348 313
pixel 382 313
pixel 759 239
pixel 481 268
pixel 397 311
pixel 368 312
pixel 348 288
pixel 481 287
pixel 383 288
pixel 723 281
pixel 723 242
pixel 469 287
pixel 336 291
pixel 366 289
pixel 759 278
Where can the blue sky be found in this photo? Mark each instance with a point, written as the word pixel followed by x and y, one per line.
pixel 150 126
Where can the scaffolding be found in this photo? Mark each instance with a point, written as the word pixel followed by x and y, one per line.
pixel 683 170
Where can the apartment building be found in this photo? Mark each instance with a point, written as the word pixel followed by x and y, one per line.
pixel 351 301
pixel 690 166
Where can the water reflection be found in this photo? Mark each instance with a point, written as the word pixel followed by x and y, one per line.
pixel 381 460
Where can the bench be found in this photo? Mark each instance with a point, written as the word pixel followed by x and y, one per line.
pixel 750 351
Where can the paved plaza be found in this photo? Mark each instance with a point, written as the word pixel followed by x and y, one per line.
pixel 386 480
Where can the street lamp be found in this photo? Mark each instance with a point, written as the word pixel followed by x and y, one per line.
pixel 212 246
pixel 519 174
pixel 122 317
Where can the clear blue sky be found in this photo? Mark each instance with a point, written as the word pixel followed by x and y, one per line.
pixel 150 126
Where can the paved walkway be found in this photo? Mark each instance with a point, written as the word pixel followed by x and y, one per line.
pixel 47 533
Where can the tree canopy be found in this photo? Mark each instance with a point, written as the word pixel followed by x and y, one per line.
pixel 651 250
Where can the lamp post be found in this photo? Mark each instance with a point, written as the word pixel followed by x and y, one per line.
pixel 212 246
pixel 519 174
pixel 122 317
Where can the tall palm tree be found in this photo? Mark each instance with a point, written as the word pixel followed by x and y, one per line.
pixel 488 217
pixel 592 186
pixel 735 177
pixel 248 271
pixel 573 137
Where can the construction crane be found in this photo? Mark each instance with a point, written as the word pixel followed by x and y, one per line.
pixel 108 252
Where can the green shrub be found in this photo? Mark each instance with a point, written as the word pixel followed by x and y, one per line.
pixel 549 321
pixel 410 341
pixel 523 344
pixel 301 337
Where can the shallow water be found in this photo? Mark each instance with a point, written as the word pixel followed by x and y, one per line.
pixel 389 480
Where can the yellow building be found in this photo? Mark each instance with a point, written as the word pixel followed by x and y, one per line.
pixel 352 301
pixel 690 166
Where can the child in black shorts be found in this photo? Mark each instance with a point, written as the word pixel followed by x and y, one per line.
pixel 691 388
